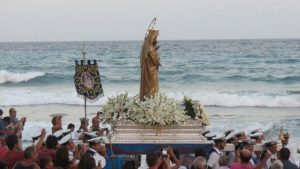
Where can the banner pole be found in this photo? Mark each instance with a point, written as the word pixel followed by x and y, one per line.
pixel 84 62
pixel 84 107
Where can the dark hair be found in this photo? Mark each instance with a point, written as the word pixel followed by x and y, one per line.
pixel 91 144
pixel 244 158
pixel 62 157
pixel 201 152
pixel 6 119
pixel 71 125
pixel 45 161
pixel 28 152
pixel 51 142
pixel 151 159
pixel 10 110
pixel 129 165
pixel 87 162
pixel 11 141
pixel 3 165
pixel 284 154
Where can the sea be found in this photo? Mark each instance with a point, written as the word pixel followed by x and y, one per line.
pixel 243 84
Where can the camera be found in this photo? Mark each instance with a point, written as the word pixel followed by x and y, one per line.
pixel 164 153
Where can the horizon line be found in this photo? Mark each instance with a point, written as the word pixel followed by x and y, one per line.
pixel 225 39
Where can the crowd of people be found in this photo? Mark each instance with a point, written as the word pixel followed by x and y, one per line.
pixel 249 152
pixel 60 149
pixel 57 150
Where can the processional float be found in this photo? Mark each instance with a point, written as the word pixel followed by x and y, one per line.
pixel 153 120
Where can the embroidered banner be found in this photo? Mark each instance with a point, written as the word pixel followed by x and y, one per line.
pixel 87 79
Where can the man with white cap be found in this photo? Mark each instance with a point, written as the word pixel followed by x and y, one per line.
pixel 271 147
pixel 249 145
pixel 258 137
pixel 213 160
pixel 241 135
pixel 67 141
pixel 84 123
pixel 231 139
pixel 97 147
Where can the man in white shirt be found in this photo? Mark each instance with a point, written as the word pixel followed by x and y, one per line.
pixel 67 141
pixel 214 156
pixel 271 147
pixel 97 151
pixel 231 139
pixel 84 123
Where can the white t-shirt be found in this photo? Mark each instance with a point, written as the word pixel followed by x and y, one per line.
pixel 213 160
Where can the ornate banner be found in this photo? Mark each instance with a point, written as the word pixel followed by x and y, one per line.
pixel 87 79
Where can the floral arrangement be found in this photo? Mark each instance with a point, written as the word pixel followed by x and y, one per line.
pixel 158 110
pixel 195 110
pixel 116 108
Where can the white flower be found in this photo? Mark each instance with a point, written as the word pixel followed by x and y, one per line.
pixel 157 110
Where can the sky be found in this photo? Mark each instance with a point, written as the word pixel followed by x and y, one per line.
pixel 106 20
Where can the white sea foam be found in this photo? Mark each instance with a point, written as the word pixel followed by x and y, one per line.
pixel 249 99
pixel 6 76
pixel 40 96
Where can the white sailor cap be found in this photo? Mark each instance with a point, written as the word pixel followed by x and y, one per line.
pixel 90 135
pixel 227 132
pixel 60 134
pixel 230 136
pixel 256 135
pixel 65 139
pixel 97 140
pixel 240 133
pixel 219 137
pixel 205 132
pixel 270 143
pixel 209 136
pixel 257 130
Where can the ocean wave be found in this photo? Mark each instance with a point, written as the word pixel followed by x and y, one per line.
pixel 17 96
pixel 11 77
pixel 267 78
pixel 251 99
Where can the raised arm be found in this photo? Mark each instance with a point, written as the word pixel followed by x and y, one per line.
pixel 173 158
pixel 261 164
pixel 39 144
